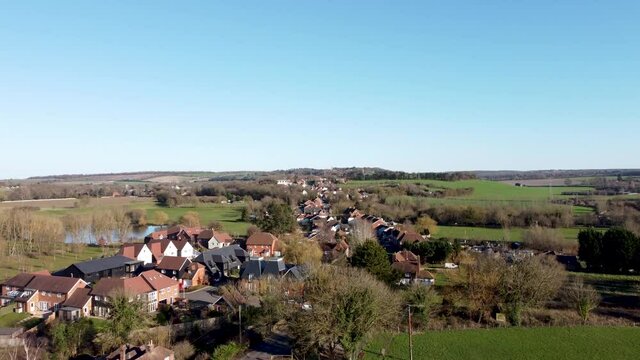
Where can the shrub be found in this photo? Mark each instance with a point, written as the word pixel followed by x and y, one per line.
pixel 228 351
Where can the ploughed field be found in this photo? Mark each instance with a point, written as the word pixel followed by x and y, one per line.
pixel 579 343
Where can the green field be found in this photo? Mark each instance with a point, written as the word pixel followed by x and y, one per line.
pixel 10 266
pixel 228 214
pixel 495 234
pixel 8 318
pixel 579 343
pixel 484 190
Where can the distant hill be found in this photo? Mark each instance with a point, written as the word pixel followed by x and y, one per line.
pixel 350 173
pixel 553 174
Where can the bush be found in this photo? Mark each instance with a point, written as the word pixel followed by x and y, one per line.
pixel 183 350
pixel 228 351
pixel 543 239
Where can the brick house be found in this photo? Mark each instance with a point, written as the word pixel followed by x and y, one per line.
pixel 39 294
pixel 150 287
pixel 262 244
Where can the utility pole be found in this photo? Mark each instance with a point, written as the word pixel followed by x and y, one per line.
pixel 410 335
pixel 411 329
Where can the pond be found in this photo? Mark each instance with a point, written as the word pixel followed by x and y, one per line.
pixel 136 233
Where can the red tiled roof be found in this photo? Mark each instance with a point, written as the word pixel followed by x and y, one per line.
pixel 130 286
pixel 411 237
pixel 55 284
pixel 160 234
pixel 78 298
pixel 20 280
pixel 156 280
pixel 171 263
pixel 405 255
pixel 156 248
pixel 131 250
pixel 223 237
pixel 261 239
pixel 180 244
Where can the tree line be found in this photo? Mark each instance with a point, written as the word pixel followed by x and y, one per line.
pixel 615 251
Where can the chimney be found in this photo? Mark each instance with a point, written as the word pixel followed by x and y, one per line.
pixel 123 352
pixel 150 347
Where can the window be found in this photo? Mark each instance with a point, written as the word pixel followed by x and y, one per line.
pixel 58 295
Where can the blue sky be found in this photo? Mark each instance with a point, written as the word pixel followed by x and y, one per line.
pixel 109 86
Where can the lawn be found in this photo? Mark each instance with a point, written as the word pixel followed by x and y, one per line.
pixel 495 234
pixel 10 266
pixel 8 318
pixel 230 216
pixel 579 343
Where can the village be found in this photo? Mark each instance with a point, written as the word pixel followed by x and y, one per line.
pixel 187 271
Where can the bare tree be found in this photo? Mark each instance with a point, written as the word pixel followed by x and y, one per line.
pixel 298 250
pixel 361 231
pixel 160 218
pixel 79 228
pixel 583 298
pixel 122 223
pixel 190 219
pixel 530 282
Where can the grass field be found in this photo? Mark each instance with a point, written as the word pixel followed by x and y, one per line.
pixel 10 266
pixel 495 234
pixel 579 343
pixel 485 190
pixel 228 214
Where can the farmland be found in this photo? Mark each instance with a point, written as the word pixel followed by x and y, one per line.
pixel 514 343
pixel 495 234
pixel 484 190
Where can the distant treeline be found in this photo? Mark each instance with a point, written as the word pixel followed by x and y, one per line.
pixel 553 174
pixel 46 190
pixel 400 175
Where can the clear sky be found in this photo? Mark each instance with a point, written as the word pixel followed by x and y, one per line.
pixel 110 86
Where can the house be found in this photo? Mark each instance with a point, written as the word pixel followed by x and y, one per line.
pixel 410 237
pixel 138 251
pixel 166 287
pixel 167 247
pixel 78 305
pixel 150 287
pixel 196 275
pixel 223 262
pixel 174 267
pixel 180 232
pixel 260 268
pixel 156 235
pixel 212 239
pixel 142 352
pixel 39 294
pixel 333 250
pixel 257 268
pixel 207 300
pixel 134 288
pixel 262 244
pixel 408 264
pixel 94 270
